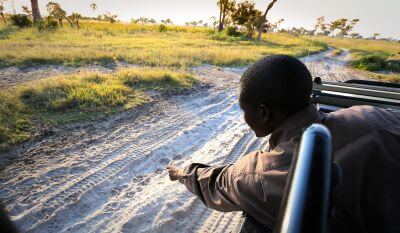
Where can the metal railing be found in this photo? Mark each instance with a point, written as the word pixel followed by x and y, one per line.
pixel 305 205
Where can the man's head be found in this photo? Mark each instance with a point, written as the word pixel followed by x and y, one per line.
pixel 271 90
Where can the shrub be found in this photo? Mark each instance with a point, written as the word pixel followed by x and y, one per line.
pixel 48 24
pixel 162 28
pixel 370 63
pixel 232 31
pixel 21 20
pixel 393 65
pixel 376 63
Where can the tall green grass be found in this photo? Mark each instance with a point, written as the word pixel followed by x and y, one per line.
pixel 105 43
pixel 69 98
pixel 14 123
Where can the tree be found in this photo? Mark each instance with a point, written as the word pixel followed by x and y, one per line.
pixel 355 35
pixel 345 27
pixel 278 23
pixel 93 6
pixel 35 11
pixel 214 22
pixel 110 17
pixel 26 10
pixel 320 24
pixel 263 19
pixel 192 23
pixel 1 12
pixel 269 26
pixel 144 20
pixel 246 15
pixel 54 9
pixel 75 17
pixel 335 25
pixel 225 8
pixel 167 21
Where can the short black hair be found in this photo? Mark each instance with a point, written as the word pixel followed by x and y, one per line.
pixel 280 82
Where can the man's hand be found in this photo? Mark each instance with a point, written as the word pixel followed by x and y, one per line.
pixel 175 173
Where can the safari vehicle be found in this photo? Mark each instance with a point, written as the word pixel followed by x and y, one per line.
pixel 313 177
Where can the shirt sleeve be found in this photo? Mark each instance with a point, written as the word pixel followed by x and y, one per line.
pixel 213 185
pixel 254 184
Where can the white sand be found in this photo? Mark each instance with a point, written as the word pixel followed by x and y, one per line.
pixel 110 177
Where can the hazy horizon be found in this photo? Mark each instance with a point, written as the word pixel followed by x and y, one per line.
pixel 374 18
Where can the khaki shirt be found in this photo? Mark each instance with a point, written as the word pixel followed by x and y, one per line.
pixel 366 144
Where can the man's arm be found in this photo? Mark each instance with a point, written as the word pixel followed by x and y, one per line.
pixel 213 185
pixel 243 185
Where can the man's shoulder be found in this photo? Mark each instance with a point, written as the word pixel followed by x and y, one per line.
pixel 365 114
pixel 351 123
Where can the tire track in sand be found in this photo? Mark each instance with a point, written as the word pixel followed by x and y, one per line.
pixel 111 179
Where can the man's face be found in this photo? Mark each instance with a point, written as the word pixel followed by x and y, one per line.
pixel 256 118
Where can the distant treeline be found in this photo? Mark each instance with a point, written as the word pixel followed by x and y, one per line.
pixel 235 19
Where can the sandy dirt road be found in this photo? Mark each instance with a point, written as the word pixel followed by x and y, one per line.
pixel 109 176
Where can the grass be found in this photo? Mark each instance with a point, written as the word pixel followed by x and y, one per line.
pixel 63 99
pixel 104 43
pixel 14 123
pixel 372 56
pixel 70 98
pixel 337 52
pixel 362 47
pixel 384 77
pixel 376 63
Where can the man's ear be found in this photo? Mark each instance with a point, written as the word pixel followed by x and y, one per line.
pixel 265 113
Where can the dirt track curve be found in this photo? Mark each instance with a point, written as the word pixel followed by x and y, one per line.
pixel 110 177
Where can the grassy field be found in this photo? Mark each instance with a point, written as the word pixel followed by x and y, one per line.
pixel 372 56
pixel 62 99
pixel 362 47
pixel 71 98
pixel 101 43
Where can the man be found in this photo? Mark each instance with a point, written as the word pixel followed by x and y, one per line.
pixel 274 96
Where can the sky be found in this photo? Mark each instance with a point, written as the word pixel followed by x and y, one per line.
pixel 375 16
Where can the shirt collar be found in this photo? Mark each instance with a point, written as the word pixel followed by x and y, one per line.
pixel 294 124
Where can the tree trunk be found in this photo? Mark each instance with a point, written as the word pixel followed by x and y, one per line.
pixel 60 22
pixel 69 21
pixel 260 29
pixel 2 16
pixel 264 19
pixel 221 23
pixel 35 11
pixel 77 23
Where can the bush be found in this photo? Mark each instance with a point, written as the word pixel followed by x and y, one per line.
pixel 376 63
pixel 48 24
pixel 21 20
pixel 162 28
pixel 393 65
pixel 232 31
